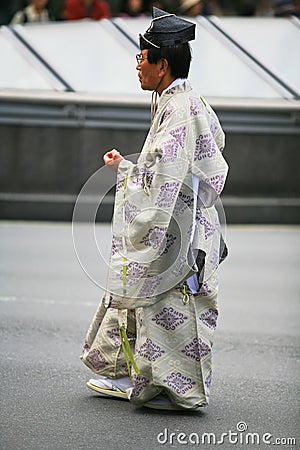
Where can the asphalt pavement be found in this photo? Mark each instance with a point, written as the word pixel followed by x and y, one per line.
pixel 47 300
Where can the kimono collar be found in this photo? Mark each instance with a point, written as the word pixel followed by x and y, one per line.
pixel 177 86
pixel 176 82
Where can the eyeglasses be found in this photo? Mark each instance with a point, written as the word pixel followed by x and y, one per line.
pixel 139 58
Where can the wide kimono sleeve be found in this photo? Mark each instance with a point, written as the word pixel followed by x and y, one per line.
pixel 208 163
pixel 209 170
pixel 153 213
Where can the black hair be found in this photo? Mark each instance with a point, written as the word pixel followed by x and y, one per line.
pixel 178 56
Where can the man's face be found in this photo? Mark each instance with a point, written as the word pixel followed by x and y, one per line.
pixel 148 73
pixel 135 5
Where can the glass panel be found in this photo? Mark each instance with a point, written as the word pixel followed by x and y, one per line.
pixel 134 27
pixel 95 57
pixel 273 41
pixel 215 70
pixel 87 56
pixel 16 72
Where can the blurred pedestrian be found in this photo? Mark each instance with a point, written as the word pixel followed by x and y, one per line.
pixel 132 8
pixel 284 8
pixel 213 7
pixel 191 8
pixel 86 9
pixel 246 8
pixel 265 8
pixel 35 12
pixel 297 8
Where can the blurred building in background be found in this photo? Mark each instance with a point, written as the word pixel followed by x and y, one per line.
pixel 69 92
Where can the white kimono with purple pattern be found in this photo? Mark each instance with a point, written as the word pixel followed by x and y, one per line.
pixel 166 247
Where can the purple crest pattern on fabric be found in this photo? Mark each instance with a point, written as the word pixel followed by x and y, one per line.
pixel 179 134
pixel 155 237
pixel 205 290
pixel 180 208
pixel 209 318
pixel 143 175
pixel 170 241
pixel 169 151
pixel 150 350
pixel 150 284
pixel 139 319
pixel 169 318
pixel 178 266
pixel 196 349
pixel 184 201
pixel 214 260
pixel 190 231
pixel 202 220
pixel 171 91
pixel 115 302
pixel 213 127
pixel 96 360
pixel 134 273
pixel 86 346
pixel 116 245
pixel 179 382
pixel 152 135
pixel 114 336
pixel 120 184
pixel 124 367
pixel 217 182
pixel 205 147
pixel 208 380
pixel 196 106
pixel 167 194
pixel 139 383
pixel 131 211
pixel 167 112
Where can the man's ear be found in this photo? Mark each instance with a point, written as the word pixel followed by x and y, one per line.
pixel 164 64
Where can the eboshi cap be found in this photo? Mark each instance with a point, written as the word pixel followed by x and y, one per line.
pixel 166 30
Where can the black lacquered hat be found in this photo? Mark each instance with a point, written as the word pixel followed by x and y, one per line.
pixel 166 30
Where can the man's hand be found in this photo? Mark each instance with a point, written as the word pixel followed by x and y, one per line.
pixel 112 159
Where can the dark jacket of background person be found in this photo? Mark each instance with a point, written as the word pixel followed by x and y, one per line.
pixel 82 9
pixel 284 8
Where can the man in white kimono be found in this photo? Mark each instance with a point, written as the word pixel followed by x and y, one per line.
pixel 151 338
